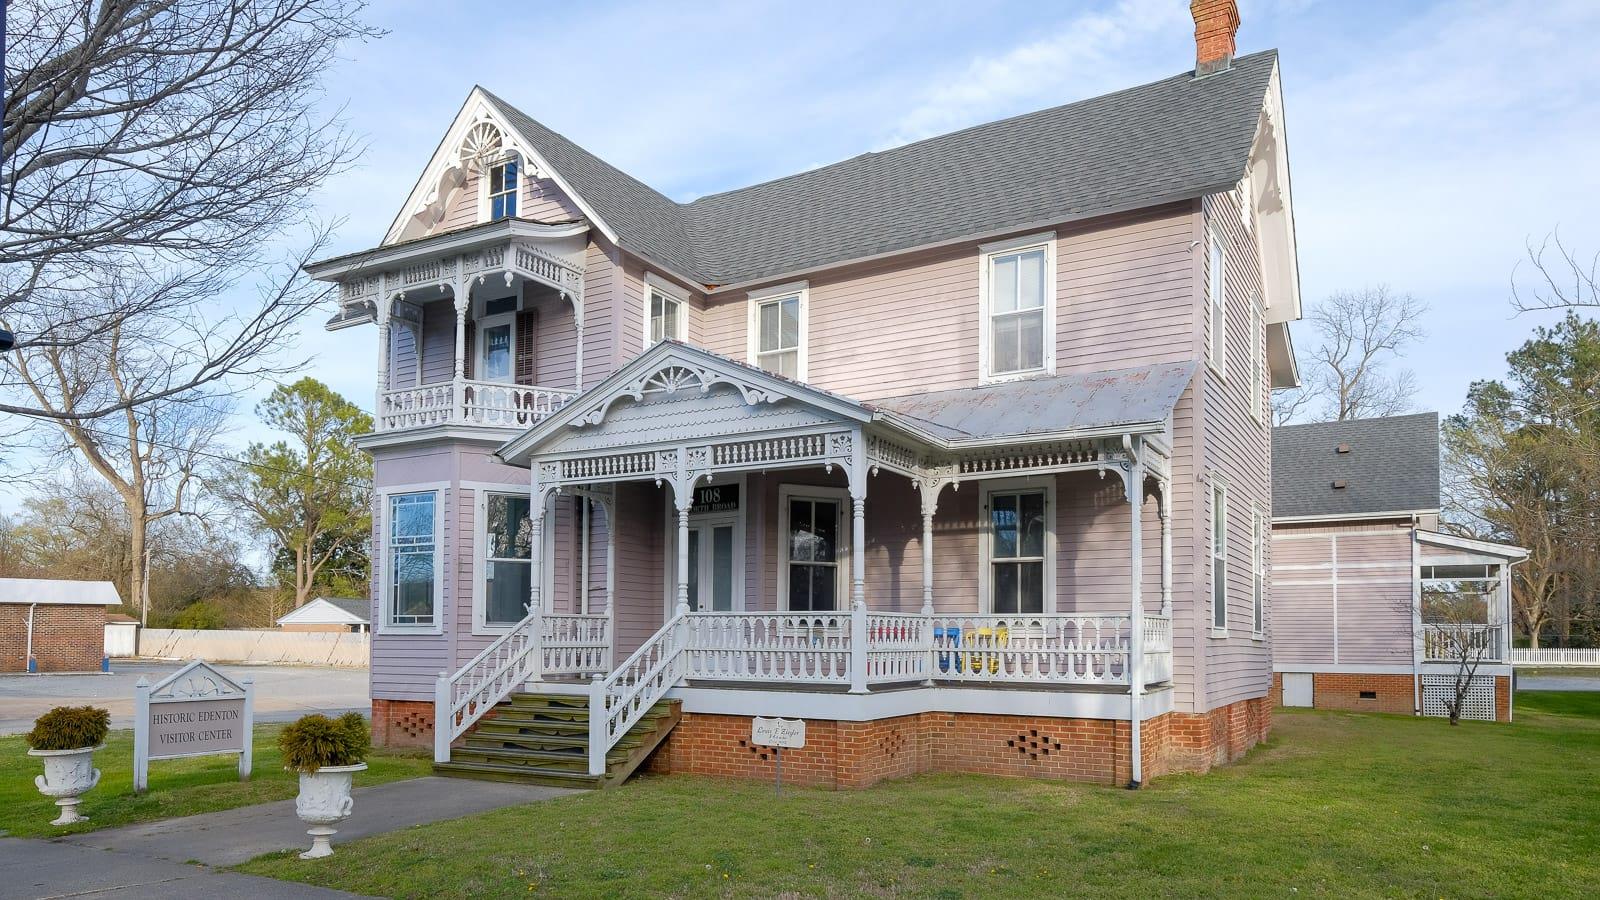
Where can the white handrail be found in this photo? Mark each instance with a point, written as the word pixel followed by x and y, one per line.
pixel 618 701
pixel 462 698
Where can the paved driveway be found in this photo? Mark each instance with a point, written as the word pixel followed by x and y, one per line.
pixel 1547 680
pixel 283 693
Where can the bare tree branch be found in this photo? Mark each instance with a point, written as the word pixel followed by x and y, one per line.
pixel 1351 373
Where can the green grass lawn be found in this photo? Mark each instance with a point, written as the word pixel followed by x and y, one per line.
pixel 178 787
pixel 1335 805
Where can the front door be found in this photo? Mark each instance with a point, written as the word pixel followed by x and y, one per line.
pixel 711 564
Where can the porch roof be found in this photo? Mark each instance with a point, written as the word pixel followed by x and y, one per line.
pixel 1472 545
pixel 1066 407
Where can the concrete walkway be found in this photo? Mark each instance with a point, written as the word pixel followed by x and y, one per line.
pixel 152 859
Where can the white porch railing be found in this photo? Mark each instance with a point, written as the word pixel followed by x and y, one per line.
pixel 1448 642
pixel 618 701
pixel 813 648
pixel 461 699
pixel 470 403
pixel 1553 656
pixel 576 644
pixel 1032 649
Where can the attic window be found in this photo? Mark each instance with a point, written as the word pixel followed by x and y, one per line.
pixel 1339 484
pixel 1342 448
pixel 502 178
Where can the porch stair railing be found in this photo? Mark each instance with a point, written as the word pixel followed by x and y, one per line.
pixel 553 643
pixel 619 700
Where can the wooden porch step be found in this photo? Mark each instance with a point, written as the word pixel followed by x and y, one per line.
pixel 544 739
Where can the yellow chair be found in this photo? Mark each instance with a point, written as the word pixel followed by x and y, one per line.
pixel 989 637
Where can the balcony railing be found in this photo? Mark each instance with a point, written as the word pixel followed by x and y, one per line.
pixel 468 403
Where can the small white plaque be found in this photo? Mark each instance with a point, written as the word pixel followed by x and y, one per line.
pixel 789 734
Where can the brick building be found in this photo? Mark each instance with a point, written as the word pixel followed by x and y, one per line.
pixel 49 625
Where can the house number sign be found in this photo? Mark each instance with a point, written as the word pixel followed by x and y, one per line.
pixel 196 711
pixel 716 498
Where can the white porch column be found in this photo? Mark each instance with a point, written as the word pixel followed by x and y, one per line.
pixel 1135 670
pixel 611 582
pixel 588 524
pixel 462 301
pixel 1164 510
pixel 929 490
pixel 536 513
pixel 382 313
pixel 683 499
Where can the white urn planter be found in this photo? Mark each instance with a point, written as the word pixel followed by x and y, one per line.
pixel 323 802
pixel 68 774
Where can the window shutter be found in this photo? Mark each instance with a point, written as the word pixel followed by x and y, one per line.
pixel 527 356
pixel 471 345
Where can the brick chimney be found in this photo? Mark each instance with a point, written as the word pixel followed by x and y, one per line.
pixel 1215 24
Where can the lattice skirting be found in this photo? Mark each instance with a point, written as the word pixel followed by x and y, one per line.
pixel 1480 702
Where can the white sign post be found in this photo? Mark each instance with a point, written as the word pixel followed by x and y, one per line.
pixel 778 734
pixel 196 711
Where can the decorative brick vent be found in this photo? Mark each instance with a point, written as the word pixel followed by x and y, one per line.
pixel 414 724
pixel 759 751
pixel 1034 745
pixel 892 743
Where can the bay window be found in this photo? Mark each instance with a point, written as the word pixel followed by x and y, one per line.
pixel 508 558
pixel 413 559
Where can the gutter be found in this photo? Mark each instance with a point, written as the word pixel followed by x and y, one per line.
pixel 29 664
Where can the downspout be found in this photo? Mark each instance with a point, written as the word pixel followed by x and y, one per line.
pixel 28 664
pixel 1135 487
pixel 1417 637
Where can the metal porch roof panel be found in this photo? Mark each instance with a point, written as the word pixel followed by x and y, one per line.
pixel 1044 406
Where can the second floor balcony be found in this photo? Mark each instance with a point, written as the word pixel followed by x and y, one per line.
pixel 476 328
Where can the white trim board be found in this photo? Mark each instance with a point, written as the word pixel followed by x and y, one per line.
pixel 888 704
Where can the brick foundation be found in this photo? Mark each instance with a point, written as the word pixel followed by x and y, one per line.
pixel 402 723
pixel 1394 693
pixel 66 637
pixel 857 754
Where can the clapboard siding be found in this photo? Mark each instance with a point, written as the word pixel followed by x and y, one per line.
pixel 538 199
pixel 1236 451
pixel 1342 594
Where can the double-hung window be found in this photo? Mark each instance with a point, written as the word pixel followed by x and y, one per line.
pixel 1258 598
pixel 503 189
pixel 497 339
pixel 1217 289
pixel 666 316
pixel 1219 558
pixel 1258 367
pixel 812 554
pixel 1016 283
pixel 1017 548
pixel 413 559
pixel 778 331
pixel 508 558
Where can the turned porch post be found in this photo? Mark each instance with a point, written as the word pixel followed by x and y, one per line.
pixel 463 302
pixel 536 513
pixel 382 314
pixel 1164 510
pixel 683 499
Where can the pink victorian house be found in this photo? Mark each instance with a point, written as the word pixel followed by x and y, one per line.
pixel 957 451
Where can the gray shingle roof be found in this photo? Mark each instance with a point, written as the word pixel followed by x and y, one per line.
pixel 1168 140
pixel 1041 406
pixel 1392 466
pixel 353 605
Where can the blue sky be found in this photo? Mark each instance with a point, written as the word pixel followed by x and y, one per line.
pixel 1429 141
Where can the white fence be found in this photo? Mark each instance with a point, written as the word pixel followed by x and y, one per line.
pixel 309 648
pixel 1554 656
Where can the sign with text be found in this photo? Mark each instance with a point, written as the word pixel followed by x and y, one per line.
pixel 196 711
pixel 789 734
pixel 716 498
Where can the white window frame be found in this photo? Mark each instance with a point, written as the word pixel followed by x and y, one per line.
pixel 1047 485
pixel 480 543
pixel 486 199
pixel 1217 300
pixel 841 496
pixel 656 285
pixel 986 254
pixel 670 524
pixel 1258 594
pixel 756 300
pixel 480 363
pixel 385 622
pixel 1219 556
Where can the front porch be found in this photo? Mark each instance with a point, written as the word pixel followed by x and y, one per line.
pixel 733 511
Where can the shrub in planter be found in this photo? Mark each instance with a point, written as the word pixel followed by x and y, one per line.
pixel 66 738
pixel 327 753
pixel 69 728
